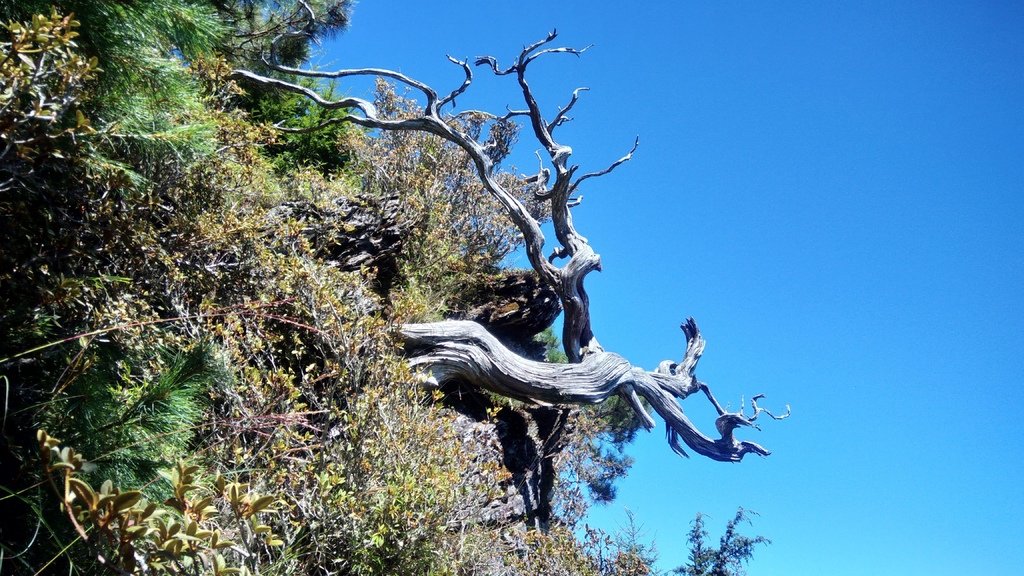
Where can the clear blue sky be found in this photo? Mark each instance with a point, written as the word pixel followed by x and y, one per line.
pixel 834 191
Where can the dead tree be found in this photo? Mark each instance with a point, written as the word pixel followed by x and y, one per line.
pixel 464 350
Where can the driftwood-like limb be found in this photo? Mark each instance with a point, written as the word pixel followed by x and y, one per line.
pixel 464 350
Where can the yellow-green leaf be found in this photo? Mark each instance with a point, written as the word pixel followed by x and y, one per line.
pixel 126 500
pixel 84 492
pixel 261 503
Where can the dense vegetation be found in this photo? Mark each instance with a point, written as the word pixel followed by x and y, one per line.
pixel 182 303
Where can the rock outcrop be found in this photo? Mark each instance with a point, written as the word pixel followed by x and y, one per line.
pixel 351 233
pixel 515 306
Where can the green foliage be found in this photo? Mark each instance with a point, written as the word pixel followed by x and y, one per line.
pixel 142 102
pixel 555 551
pixel 395 485
pixel 622 554
pixel 552 347
pixel 99 138
pixel 257 22
pixel 262 31
pixel 316 143
pixel 160 397
pixel 461 233
pixel 136 40
pixel 734 550
pixel 611 428
pixel 43 77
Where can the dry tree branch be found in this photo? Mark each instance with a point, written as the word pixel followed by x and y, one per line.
pixel 613 166
pixel 465 83
pixel 561 117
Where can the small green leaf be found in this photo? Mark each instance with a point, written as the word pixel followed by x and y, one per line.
pixel 126 500
pixel 148 511
pixel 262 503
pixel 84 492
pixel 137 531
pixel 27 61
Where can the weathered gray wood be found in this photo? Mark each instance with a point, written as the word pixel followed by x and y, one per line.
pixel 464 350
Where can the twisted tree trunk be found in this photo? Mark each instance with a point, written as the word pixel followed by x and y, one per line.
pixel 464 350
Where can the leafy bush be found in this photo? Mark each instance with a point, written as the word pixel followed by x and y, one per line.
pixel 219 529
pixel 43 78
pixel 462 234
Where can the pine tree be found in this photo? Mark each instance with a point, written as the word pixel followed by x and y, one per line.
pixel 733 552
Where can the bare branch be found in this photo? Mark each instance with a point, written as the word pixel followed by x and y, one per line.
pixel 492 63
pixel 561 117
pixel 694 347
pixel 524 57
pixel 363 105
pixel 465 83
pixel 559 154
pixel 504 117
pixel 573 51
pixel 426 90
pixel 512 113
pixel 309 11
pixel 551 36
pixel 628 392
pixel 758 410
pixel 430 121
pixel 541 180
pixel 711 398
pixel 614 165
pixel 329 122
pixel 577 335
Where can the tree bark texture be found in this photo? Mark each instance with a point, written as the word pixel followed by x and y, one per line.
pixel 465 351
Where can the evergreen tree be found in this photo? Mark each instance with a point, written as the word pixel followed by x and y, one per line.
pixel 733 552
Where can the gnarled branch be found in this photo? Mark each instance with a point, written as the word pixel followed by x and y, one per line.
pixel 465 351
